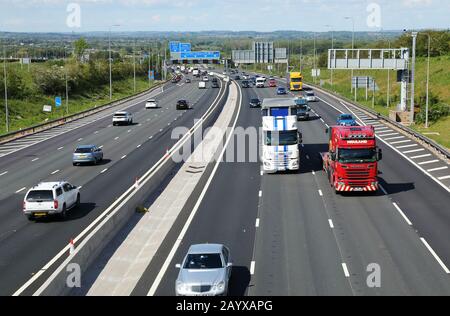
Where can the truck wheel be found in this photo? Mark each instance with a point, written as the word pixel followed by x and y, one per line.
pixel 63 214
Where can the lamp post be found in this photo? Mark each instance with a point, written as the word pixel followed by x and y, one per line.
pixel 6 90
pixel 428 80
pixel 353 40
pixel 413 70
pixel 332 47
pixel 110 61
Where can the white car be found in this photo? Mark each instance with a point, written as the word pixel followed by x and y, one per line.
pixel 151 104
pixel 205 78
pixel 310 97
pixel 122 117
pixel 50 198
pixel 211 73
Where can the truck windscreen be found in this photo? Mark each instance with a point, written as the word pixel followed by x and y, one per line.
pixel 282 138
pixel 357 155
pixel 296 79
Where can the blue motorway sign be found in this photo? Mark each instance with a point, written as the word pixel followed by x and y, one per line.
pixel 58 101
pixel 174 47
pixel 185 47
pixel 200 55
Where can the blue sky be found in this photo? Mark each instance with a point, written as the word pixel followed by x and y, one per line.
pixel 235 15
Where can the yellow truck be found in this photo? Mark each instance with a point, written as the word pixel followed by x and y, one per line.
pixel 295 81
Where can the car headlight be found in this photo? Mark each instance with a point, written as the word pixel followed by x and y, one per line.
pixel 219 286
pixel 181 287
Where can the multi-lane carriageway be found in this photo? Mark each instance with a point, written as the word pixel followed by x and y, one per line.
pixel 289 234
pixel 26 247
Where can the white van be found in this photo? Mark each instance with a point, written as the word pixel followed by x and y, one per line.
pixel 202 85
pixel 260 82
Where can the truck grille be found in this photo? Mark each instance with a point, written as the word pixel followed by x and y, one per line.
pixel 200 288
pixel 357 177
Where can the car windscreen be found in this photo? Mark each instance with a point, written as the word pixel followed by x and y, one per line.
pixel 346 117
pixel 281 138
pixel 203 261
pixel 40 195
pixel 357 155
pixel 254 101
pixel 120 115
pixel 83 150
pixel 310 94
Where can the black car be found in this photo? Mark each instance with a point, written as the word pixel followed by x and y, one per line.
pixel 214 79
pixel 245 84
pixel 237 78
pixel 182 105
pixel 255 103
pixel 188 80
pixel 215 84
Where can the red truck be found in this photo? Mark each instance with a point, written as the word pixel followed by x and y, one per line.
pixel 351 162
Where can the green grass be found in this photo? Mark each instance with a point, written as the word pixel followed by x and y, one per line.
pixel 26 113
pixel 439 85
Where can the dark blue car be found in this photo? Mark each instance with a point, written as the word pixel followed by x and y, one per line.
pixel 346 120
pixel 281 91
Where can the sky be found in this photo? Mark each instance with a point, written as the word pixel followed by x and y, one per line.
pixel 231 15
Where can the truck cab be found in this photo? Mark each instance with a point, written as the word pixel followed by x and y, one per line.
pixel 351 162
pixel 294 81
pixel 281 138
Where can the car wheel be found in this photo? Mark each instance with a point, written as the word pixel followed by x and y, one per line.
pixel 30 217
pixel 74 164
pixel 63 213
pixel 78 202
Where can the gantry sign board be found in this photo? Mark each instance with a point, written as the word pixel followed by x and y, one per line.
pixel 181 53
pixel 374 59
pixel 394 59
pixel 364 82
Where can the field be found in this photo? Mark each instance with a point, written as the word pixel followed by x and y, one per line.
pixel 28 111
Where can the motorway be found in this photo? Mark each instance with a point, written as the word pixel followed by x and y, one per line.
pixel 25 247
pixel 289 234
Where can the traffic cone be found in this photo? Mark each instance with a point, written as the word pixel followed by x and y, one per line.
pixel 72 247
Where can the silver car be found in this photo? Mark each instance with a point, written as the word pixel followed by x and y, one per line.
pixel 205 271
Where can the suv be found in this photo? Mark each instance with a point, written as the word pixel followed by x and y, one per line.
pixel 87 154
pixel 122 118
pixel 50 198
pixel 255 103
pixel 182 105
pixel 245 84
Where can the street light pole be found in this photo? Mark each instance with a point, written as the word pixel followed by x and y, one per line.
pixel 6 90
pixel 428 80
pixel 134 66
pixel 353 43
pixel 332 47
pixel 110 66
pixel 413 70
pixel 314 62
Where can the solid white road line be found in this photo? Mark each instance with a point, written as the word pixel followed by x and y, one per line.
pixel 20 190
pixel 437 169
pixel 252 267
pixel 392 138
pixel 435 256
pixel 402 214
pixel 421 156
pixel 413 151
pixel 407 146
pixel 55 172
pixel 428 162
pixel 444 178
pixel 172 252
pixel 331 223
pixel 346 273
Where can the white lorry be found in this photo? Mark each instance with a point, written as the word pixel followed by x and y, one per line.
pixel 281 137
pixel 202 85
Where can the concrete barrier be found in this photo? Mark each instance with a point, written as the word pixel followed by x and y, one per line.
pixel 91 246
